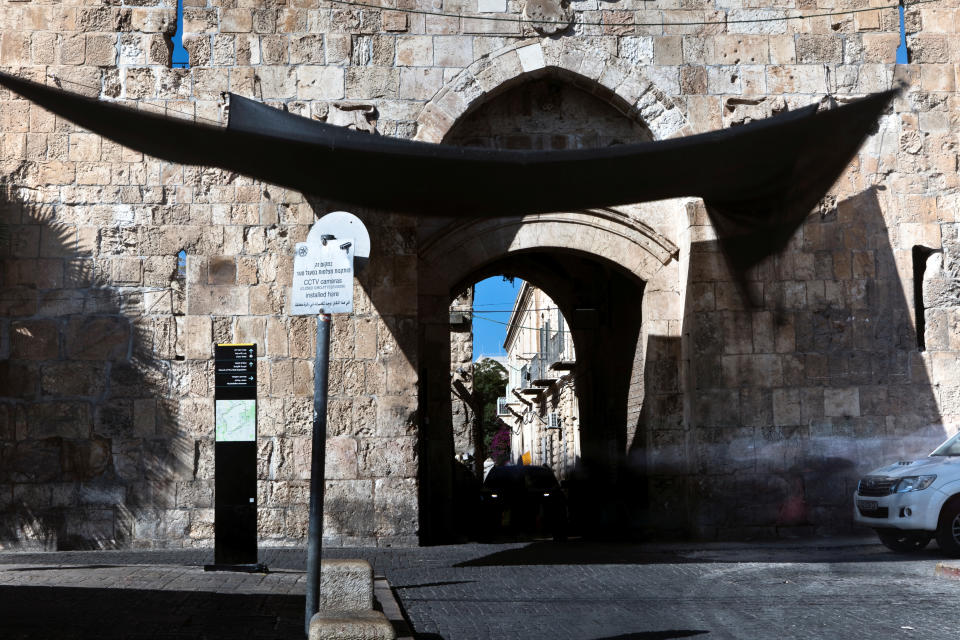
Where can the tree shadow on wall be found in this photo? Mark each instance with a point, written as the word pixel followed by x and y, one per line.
pixel 89 451
pixel 790 403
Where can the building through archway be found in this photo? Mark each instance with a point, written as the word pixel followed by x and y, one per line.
pixel 595 265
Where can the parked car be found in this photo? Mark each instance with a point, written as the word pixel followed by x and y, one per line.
pixel 909 503
pixel 522 499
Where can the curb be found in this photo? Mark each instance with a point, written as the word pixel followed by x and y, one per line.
pixel 947 571
pixel 383 594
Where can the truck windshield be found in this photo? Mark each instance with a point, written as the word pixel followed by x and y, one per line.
pixel 949 448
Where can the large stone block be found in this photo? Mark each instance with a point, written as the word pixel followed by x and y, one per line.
pixel 73 379
pixel 346 585
pixel 217 300
pixel 341 459
pixel 395 416
pixel 236 21
pixel 250 329
pixel 320 83
pixel 351 625
pixel 786 407
pixel 395 504
pixel 759 370
pixel 717 408
pixel 841 402
pixel 349 508
pixel 98 338
pixel 372 82
pixel 307 49
pixel 34 340
pixel 34 461
pixel 415 51
pixel 387 457
pixel 87 525
pixel 199 337
pixel 222 270
pixel 818 48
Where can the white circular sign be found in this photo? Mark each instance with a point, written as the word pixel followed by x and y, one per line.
pixel 344 225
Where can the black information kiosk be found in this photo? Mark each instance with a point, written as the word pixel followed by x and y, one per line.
pixel 235 481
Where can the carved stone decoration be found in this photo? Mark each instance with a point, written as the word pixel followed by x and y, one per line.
pixel 353 115
pixel 556 14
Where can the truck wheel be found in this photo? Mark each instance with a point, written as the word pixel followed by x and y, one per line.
pixel 948 529
pixel 903 541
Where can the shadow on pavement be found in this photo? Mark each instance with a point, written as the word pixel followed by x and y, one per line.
pixel 589 553
pixel 655 635
pixel 553 553
pixel 640 635
pixel 110 557
pixel 72 567
pixel 77 613
pixel 431 584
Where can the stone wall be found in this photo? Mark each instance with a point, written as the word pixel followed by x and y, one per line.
pixel 463 410
pixel 105 396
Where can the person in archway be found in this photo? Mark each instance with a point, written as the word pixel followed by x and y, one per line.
pixel 466 496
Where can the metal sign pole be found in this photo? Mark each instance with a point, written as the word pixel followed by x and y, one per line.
pixel 321 370
pixel 322 285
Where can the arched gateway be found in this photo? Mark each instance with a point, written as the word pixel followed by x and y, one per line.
pixel 123 266
pixel 600 266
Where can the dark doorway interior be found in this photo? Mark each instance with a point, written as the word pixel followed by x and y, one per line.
pixel 603 306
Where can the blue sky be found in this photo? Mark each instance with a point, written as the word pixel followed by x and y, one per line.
pixel 492 301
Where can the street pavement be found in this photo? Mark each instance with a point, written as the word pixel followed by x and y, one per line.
pixel 820 588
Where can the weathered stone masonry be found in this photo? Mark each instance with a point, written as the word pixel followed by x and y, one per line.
pixel 734 421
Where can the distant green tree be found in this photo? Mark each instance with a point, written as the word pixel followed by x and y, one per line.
pixel 489 383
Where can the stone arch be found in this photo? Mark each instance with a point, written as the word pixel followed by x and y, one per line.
pixel 608 269
pixel 604 261
pixel 608 233
pixel 617 81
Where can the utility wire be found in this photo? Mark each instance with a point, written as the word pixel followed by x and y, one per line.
pixel 599 23
pixel 469 309
pixel 520 20
pixel 507 324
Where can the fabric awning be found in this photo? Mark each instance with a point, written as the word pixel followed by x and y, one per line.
pixel 758 181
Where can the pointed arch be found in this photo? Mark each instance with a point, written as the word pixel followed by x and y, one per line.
pixel 605 233
pixel 623 85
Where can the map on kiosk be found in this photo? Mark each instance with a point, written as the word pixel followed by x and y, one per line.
pixel 236 420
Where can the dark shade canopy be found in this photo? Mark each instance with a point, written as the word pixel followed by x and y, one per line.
pixel 758 181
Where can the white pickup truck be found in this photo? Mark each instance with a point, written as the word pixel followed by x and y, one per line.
pixel 908 503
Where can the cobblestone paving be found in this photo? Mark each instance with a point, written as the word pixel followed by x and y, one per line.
pixel 850 589
pixel 115 595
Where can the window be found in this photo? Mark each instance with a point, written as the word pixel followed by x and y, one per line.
pixel 182 265
pixel 180 58
pixel 903 54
